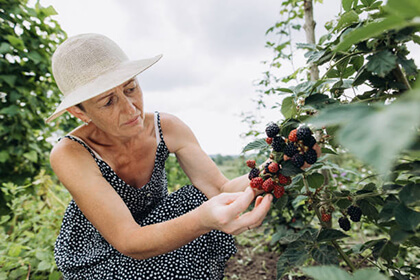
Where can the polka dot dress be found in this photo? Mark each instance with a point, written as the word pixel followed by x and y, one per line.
pixel 82 253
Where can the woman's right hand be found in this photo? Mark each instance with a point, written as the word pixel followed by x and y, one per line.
pixel 223 212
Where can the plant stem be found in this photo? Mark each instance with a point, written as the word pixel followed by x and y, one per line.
pixel 344 255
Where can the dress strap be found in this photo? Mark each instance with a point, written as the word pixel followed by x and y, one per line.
pixel 94 154
pixel 158 128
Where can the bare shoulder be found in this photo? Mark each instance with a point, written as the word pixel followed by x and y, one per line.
pixel 175 132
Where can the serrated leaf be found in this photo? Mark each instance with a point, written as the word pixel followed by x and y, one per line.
pixel 346 4
pixel 288 107
pixel 288 169
pixel 381 63
pixel 281 202
pixel 257 144
pixel 389 251
pixel 315 180
pixel 368 209
pixel 368 273
pixel 330 234
pixel 387 211
pixel 408 219
pixel 294 255
pixel 409 66
pixel 347 19
pixel 410 194
pixel 325 255
pixel 326 272
pixel 343 203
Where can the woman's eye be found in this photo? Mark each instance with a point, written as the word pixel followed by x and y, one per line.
pixel 110 101
pixel 130 90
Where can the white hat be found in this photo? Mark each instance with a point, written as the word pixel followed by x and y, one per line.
pixel 87 65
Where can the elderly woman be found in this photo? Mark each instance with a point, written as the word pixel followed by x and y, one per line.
pixel 121 223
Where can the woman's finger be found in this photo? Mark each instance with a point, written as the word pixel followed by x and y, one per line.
pixel 242 202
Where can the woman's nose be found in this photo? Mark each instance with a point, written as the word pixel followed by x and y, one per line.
pixel 128 105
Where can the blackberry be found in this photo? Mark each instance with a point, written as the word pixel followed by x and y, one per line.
pixel 298 160
pixel 344 223
pixel 309 142
pixel 266 167
pixel 290 150
pixel 278 144
pixel 311 156
pixel 272 130
pixel 355 213
pixel 303 132
pixel 253 173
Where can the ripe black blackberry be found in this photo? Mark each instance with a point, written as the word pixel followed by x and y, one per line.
pixel 266 167
pixel 298 160
pixel 344 223
pixel 309 142
pixel 303 132
pixel 278 144
pixel 272 130
pixel 355 213
pixel 311 156
pixel 253 173
pixel 290 150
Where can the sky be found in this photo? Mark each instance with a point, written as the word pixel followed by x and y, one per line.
pixel 212 56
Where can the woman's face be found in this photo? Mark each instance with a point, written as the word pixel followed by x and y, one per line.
pixel 118 111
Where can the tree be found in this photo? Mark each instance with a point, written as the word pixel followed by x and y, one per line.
pixel 365 109
pixel 28 92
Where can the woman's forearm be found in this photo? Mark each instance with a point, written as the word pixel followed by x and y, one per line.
pixel 237 184
pixel 153 240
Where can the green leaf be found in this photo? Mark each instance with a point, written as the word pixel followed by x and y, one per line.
pixel 330 234
pixel 337 115
pixel 368 273
pixel 347 4
pixel 325 255
pixel 408 219
pixel 31 155
pixel 257 144
pixel 294 255
pixel 315 180
pixel 326 272
pixel 4 156
pixel 15 250
pixel 288 169
pixel 389 251
pixel 410 194
pixel 367 3
pixel 35 57
pixel 381 63
pixel 44 266
pixel 371 137
pixel 347 19
pixel 343 203
pixel 407 9
pixel 369 31
pixel 387 211
pixel 4 48
pixel 288 107
pixel 368 209
pixel 16 42
pixel 318 101
pixel 285 90
pixel 281 202
pixel 9 79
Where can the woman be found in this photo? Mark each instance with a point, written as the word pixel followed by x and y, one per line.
pixel 121 223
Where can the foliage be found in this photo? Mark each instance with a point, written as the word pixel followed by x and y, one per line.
pixel 175 175
pixel 366 106
pixel 27 90
pixel 29 234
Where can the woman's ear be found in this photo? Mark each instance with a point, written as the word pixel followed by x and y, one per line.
pixel 78 113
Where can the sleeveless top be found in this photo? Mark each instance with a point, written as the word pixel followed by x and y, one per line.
pixel 82 253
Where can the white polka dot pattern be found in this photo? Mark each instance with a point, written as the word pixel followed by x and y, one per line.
pixel 82 253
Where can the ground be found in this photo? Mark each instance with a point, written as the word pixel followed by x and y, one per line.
pixel 254 259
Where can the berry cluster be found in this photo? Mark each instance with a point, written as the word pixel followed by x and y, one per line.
pixel 298 147
pixel 355 214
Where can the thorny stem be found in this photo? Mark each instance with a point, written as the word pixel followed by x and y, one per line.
pixel 326 225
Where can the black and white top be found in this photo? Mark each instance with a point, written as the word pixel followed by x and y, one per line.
pixel 82 253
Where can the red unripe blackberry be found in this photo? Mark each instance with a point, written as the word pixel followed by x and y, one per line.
pixel 278 144
pixel 310 156
pixel 326 217
pixel 298 160
pixel 253 173
pixel 303 132
pixel 272 130
pixel 284 180
pixel 268 185
pixel 344 223
pixel 278 191
pixel 256 183
pixel 250 163
pixel 273 167
pixel 355 213
pixel 269 140
pixel 293 136
pixel 290 149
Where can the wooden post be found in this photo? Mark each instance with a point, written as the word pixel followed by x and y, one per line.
pixel 309 27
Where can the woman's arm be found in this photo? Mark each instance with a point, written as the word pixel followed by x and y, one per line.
pixel 104 208
pixel 199 167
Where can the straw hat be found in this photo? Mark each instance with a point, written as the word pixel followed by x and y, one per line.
pixel 87 65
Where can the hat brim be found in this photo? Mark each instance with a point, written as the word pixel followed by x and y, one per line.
pixel 115 77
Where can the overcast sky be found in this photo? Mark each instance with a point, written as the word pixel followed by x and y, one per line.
pixel 212 50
